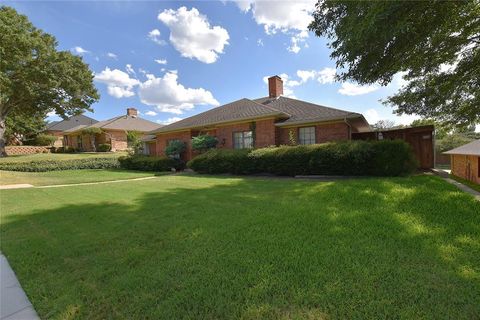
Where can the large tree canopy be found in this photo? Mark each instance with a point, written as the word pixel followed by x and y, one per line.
pixel 35 78
pixel 435 44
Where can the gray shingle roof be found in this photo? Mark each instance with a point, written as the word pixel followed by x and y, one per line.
pixel 127 123
pixel 291 111
pixel 70 123
pixel 303 112
pixel 243 109
pixel 472 148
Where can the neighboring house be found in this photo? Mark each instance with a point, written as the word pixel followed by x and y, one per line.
pixel 56 128
pixel 272 120
pixel 114 132
pixel 465 161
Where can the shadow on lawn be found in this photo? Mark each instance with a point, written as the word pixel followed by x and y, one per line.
pixel 256 249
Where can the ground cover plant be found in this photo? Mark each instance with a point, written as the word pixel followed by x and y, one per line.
pixel 205 247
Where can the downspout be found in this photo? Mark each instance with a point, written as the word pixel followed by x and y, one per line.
pixel 349 127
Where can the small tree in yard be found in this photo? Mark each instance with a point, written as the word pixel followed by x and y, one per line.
pixel 134 142
pixel 204 142
pixel 44 140
pixel 91 133
pixel 175 148
pixel 35 78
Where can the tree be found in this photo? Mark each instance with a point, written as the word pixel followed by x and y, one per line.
pixel 383 124
pixel 35 78
pixel 92 133
pixel 175 148
pixel 204 142
pixel 441 129
pixel 435 44
pixel 134 142
pixel 19 127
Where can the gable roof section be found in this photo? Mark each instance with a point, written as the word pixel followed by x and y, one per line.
pixel 127 123
pixel 243 109
pixel 304 112
pixel 472 149
pixel 70 123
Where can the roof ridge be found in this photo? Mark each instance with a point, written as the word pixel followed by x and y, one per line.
pixel 315 104
pixel 268 107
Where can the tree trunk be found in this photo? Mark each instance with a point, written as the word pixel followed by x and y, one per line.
pixel 2 137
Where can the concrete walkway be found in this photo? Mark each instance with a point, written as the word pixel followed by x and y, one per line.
pixel 446 176
pixel 14 303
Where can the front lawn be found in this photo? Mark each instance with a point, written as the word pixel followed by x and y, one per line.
pixel 196 247
pixel 60 156
pixel 68 176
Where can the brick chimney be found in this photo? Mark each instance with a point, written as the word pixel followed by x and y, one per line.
pixel 275 86
pixel 132 112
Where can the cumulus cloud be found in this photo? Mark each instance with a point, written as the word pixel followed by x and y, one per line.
pixel 154 35
pixel 289 17
pixel 130 70
pixel 192 35
pixel 169 120
pixel 119 84
pixel 373 116
pixel 112 55
pixel 79 50
pixel 326 75
pixel 151 113
pixel 170 96
pixel 260 42
pixel 353 89
pixel 161 61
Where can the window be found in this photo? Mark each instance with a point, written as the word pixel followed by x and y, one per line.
pixel 242 140
pixel 306 135
pixel 80 142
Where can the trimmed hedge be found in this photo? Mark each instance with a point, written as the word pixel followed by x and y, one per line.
pixel 356 158
pixel 149 163
pixel 104 147
pixel 54 165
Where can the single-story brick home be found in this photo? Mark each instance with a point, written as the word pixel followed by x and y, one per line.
pixel 57 128
pixel 262 122
pixel 465 161
pixel 114 132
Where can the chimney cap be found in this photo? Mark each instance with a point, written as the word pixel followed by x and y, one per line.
pixel 133 112
pixel 275 86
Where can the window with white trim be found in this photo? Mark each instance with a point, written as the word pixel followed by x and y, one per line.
pixel 242 140
pixel 306 135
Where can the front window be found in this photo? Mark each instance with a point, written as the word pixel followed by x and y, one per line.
pixel 306 135
pixel 80 142
pixel 242 140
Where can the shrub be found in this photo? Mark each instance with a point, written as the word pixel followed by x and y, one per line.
pixel 66 149
pixel 175 148
pixel 41 140
pixel 204 142
pixel 360 158
pixel 104 147
pixel 149 163
pixel 54 165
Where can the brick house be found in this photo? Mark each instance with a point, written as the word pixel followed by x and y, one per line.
pixel 465 161
pixel 114 132
pixel 262 122
pixel 57 128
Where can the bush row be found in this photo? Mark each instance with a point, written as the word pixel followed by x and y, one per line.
pixel 149 163
pixel 360 158
pixel 53 165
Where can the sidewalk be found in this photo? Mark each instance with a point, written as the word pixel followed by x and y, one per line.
pixel 14 303
pixel 445 175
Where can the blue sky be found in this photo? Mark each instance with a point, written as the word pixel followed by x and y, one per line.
pixel 172 60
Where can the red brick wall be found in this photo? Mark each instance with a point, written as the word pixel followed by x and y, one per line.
pixel 323 133
pixel 264 133
pixel 59 135
pixel 460 164
pixel 162 141
pixel 15 150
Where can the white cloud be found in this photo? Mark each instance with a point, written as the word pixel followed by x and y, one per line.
pixel 372 116
pixel 161 61
pixel 130 70
pixel 169 120
pixel 353 89
pixel 154 35
pixel 192 35
pixel 119 84
pixel 112 55
pixel 80 50
pixel 289 17
pixel 306 75
pixel 151 113
pixel 260 42
pixel 170 96
pixel 326 75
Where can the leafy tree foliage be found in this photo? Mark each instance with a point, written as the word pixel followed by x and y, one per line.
pixel 20 127
pixel 175 149
pixel 435 44
pixel 134 141
pixel 35 78
pixel 92 133
pixel 383 124
pixel 204 142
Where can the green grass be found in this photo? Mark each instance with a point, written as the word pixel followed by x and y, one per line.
pixel 181 247
pixel 60 156
pixel 68 176
pixel 468 183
